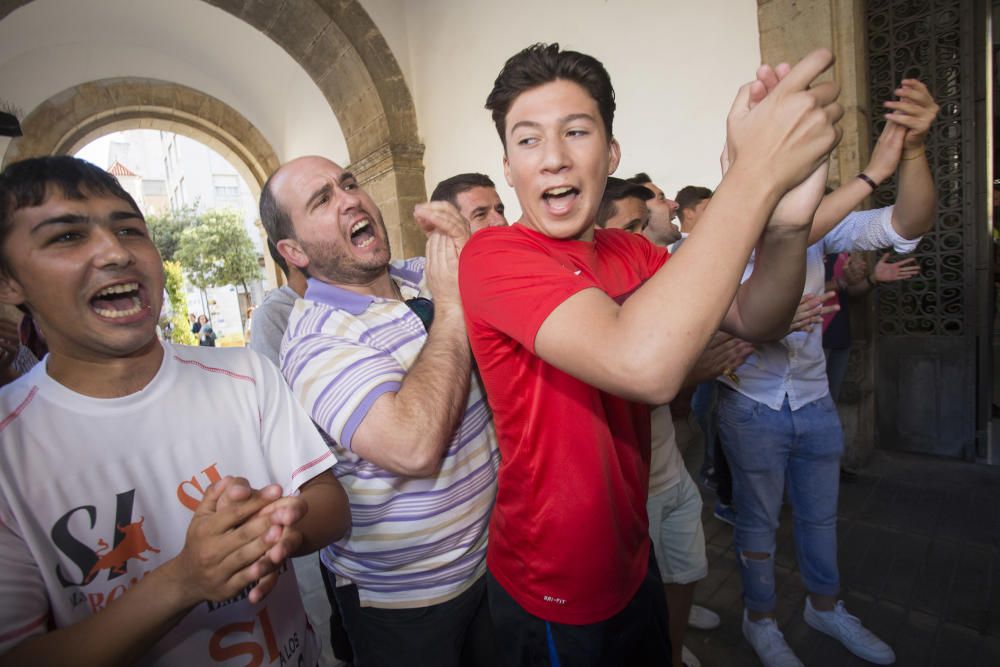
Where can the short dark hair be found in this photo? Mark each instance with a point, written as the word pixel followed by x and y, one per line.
pixel 449 189
pixel 642 178
pixel 690 195
pixel 30 183
pixel 272 250
pixel 277 223
pixel 543 63
pixel 616 190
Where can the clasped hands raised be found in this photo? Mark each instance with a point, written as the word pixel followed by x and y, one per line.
pixel 239 537
pixel 781 129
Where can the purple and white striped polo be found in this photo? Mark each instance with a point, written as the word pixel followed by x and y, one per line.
pixel 414 542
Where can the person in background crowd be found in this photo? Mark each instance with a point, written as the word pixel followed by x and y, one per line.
pixel 16 357
pixel 206 334
pixel 271 316
pixel 847 277
pixel 661 229
pixel 248 323
pixel 691 203
pixel 624 206
pixel 475 196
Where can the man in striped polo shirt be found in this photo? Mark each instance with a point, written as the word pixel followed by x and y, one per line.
pixel 413 436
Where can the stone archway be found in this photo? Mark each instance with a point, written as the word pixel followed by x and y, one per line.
pixel 69 120
pixel 345 54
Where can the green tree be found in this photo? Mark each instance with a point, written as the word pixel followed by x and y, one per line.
pixel 218 251
pixel 180 327
pixel 166 228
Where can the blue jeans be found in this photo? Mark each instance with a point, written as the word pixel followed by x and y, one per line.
pixel 771 452
pixel 703 403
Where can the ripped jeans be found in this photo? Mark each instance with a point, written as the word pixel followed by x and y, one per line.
pixel 771 452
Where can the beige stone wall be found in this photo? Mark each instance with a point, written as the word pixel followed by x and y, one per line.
pixel 676 67
pixel 394 177
pixel 72 118
pixel 788 30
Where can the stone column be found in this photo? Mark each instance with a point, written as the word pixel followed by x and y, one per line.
pixel 393 174
pixel 789 29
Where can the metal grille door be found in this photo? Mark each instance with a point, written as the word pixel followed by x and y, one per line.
pixel 925 384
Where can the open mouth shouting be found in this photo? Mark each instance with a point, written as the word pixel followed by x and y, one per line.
pixel 559 200
pixel 122 302
pixel 362 233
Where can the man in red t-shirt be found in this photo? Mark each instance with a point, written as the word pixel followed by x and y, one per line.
pixel 576 331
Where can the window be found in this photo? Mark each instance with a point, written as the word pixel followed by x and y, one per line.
pixel 227 186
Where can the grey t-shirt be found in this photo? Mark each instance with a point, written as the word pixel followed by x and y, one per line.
pixel 270 319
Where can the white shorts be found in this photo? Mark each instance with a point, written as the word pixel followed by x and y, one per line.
pixel 677 534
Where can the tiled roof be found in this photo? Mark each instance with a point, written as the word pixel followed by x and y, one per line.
pixel 118 169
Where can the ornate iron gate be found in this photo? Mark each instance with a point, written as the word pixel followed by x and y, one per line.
pixel 925 343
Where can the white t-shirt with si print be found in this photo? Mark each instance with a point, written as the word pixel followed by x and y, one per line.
pixel 96 493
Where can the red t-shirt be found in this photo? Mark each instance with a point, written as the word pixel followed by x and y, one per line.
pixel 568 535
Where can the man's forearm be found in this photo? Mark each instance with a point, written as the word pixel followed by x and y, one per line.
pixel 723 352
pixel 673 316
pixel 916 201
pixel 766 302
pixel 836 206
pixel 435 391
pixel 119 634
pixel 409 431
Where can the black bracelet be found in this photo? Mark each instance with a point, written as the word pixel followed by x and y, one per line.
pixel 864 177
pixel 870 281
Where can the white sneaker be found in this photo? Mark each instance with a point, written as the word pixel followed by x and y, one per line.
pixel 848 630
pixel 769 643
pixel 703 619
pixel 688 658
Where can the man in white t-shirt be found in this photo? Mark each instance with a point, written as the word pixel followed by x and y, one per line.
pixel 147 492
